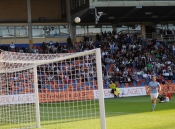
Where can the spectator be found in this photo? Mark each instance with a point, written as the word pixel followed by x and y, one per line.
pixel 12 47
pixel 69 42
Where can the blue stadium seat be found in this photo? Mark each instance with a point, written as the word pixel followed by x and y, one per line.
pixel 122 85
pixel 174 77
pixel 93 87
pixel 142 84
pixel 146 83
pixel 43 86
pixel 134 83
pixel 16 92
pixel 59 89
pixel 48 86
pixel 90 79
pixel 75 81
pixel 134 63
pixel 63 65
pixel 147 80
pixel 91 83
pixel 74 84
pixel 105 86
pixel 17 84
pixel 65 86
pixel 32 87
pixel 60 82
pixel 173 81
pixel 86 84
pixel 107 82
pixel 166 78
pixel 80 88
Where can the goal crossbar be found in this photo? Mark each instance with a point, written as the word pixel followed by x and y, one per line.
pixel 45 61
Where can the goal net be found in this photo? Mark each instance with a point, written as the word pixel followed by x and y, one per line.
pixel 51 91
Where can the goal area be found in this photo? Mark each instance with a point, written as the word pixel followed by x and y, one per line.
pixel 51 91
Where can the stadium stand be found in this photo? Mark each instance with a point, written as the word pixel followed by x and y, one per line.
pixel 127 60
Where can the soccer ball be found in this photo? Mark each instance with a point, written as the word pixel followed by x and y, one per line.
pixel 77 20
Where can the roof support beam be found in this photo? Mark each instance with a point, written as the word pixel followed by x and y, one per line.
pixel 29 19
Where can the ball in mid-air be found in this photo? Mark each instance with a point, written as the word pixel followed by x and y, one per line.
pixel 77 20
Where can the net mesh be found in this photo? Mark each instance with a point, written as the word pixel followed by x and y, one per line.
pixel 17 107
pixel 65 89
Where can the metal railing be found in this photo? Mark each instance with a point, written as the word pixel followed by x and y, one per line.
pixel 149 36
pixel 160 37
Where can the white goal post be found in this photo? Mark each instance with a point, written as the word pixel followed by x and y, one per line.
pixel 48 90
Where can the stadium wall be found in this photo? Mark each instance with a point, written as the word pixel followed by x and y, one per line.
pixel 35 40
pixel 23 42
pixel 16 10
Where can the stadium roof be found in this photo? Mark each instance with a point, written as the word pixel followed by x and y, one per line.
pixel 117 15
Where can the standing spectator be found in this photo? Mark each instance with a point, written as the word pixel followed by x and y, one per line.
pixel 112 47
pixel 149 66
pixel 12 47
pixel 69 42
pixel 44 47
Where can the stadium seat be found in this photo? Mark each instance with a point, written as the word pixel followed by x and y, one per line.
pixel 65 86
pixel 166 78
pixel 146 83
pixel 74 84
pixel 79 88
pixel 93 87
pixel 142 84
pixel 105 86
pixel 91 83
pixel 140 77
pixel 134 63
pixel 48 87
pixel 43 86
pixel 96 87
pixel 134 83
pixel 86 84
pixel 173 81
pixel 147 80
pixel 75 81
pixel 60 82
pixel 173 77
pixel 122 85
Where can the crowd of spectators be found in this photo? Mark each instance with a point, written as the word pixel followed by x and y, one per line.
pixel 130 60
pixel 127 60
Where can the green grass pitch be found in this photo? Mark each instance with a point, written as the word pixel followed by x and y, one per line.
pixel 122 113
